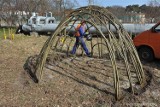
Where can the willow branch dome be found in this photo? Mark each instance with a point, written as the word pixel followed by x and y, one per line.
pixel 110 46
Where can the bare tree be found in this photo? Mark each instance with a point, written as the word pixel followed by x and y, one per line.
pixel 7 11
pixel 154 3
pixel 59 7
pixel 17 11
pixel 153 11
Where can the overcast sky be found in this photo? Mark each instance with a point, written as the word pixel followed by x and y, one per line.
pixel 115 2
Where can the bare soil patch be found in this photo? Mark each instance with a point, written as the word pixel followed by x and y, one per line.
pixel 80 82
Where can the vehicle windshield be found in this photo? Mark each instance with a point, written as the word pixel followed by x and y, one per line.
pixel 157 28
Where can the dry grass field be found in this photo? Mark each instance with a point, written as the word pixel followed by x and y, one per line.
pixel 64 84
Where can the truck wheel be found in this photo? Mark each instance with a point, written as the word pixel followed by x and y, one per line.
pixel 146 54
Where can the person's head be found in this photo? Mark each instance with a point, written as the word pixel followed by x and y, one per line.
pixel 83 22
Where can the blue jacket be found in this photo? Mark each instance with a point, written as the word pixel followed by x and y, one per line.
pixel 81 31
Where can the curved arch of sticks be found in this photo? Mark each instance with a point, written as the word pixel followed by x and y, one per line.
pixel 110 41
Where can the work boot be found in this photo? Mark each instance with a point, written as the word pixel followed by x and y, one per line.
pixel 89 55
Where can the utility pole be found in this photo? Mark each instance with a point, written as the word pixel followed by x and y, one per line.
pixel 90 2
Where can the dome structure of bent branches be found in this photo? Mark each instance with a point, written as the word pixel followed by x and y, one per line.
pixel 110 45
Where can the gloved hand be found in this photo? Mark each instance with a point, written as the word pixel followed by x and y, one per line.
pixel 89 37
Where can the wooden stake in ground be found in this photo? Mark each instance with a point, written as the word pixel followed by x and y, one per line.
pixel 4 34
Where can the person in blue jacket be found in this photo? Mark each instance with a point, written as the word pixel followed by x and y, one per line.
pixel 80 32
